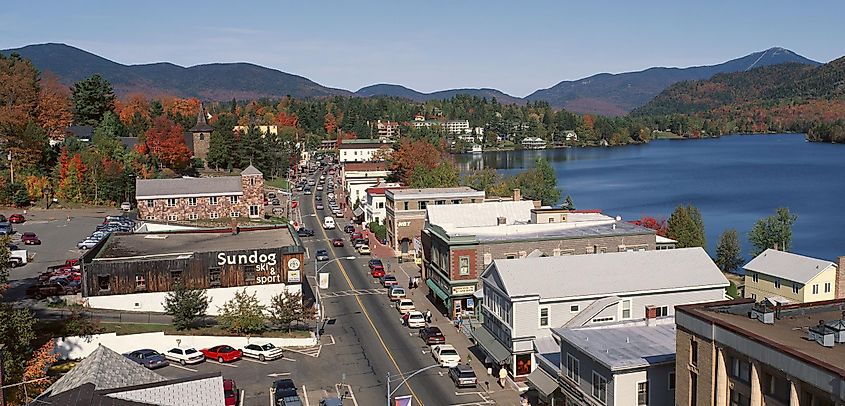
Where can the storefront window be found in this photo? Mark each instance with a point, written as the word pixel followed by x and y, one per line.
pixel 523 364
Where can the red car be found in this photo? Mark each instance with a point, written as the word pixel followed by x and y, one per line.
pixel 432 335
pixel 29 238
pixel 230 392
pixel 377 271
pixel 222 353
pixel 337 242
pixel 16 218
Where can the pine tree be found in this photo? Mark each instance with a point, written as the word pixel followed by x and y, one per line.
pixel 92 98
pixel 185 305
pixel 568 204
pixel 687 227
pixel 728 255
pixel 287 308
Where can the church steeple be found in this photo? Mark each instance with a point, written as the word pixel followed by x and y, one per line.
pixel 202 123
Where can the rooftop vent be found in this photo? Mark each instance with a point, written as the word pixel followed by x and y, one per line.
pixel 822 334
pixel 762 312
pixel 501 220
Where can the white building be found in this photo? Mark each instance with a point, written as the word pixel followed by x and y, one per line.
pixel 362 150
pixel 387 130
pixel 525 298
pixel 533 143
pixel 374 207
pixel 357 177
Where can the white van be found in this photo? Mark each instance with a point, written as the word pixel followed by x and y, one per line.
pixel 328 223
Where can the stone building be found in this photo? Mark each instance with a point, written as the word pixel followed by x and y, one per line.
pixel 190 199
pixel 201 136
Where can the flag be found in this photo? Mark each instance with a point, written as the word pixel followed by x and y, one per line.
pixel 403 400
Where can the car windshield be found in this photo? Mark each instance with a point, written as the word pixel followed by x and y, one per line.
pixel 466 373
pixel 190 351
pixel 398 291
pixel 390 278
pixel 448 351
pixel 267 347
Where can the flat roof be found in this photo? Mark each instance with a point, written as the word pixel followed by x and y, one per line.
pixel 567 230
pixel 433 193
pixel 626 345
pixel 134 246
pixel 787 334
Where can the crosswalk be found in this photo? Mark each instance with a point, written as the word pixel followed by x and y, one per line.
pixel 354 292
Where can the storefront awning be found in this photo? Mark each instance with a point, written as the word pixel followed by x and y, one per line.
pixel 358 212
pixel 490 345
pixel 436 290
pixel 544 383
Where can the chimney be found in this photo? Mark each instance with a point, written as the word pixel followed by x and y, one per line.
pixel 517 195
pixel 501 221
pixel 775 247
pixel 651 312
pixel 839 289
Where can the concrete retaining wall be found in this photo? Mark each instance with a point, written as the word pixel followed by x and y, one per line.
pixel 81 347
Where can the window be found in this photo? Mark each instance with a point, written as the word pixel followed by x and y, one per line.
pixel 213 215
pixel 249 274
pixel 192 201
pixel 544 316
pixel 738 399
pixel 603 319
pixel 672 380
pixel 795 288
pixel 103 282
pixel 423 204
pixel 150 217
pixel 755 277
pixel 151 203
pixel 626 309
pixel 574 308
pixel 176 277
pixel 573 368
pixel 212 200
pixel 777 283
pixel 214 277
pixel 235 214
pixel 140 282
pixel 642 393
pixel 463 265
pixel 173 217
pixel 827 287
pixel 693 352
pixel 193 216
pixel 405 205
pixel 456 201
pixel 233 199
pixel 379 205
pixel 510 256
pixel 488 258
pixel 816 289
pixel 599 388
pixel 252 181
pixel 253 211
pixel 551 219
pixel 754 296
pixel 741 370
pixel 662 311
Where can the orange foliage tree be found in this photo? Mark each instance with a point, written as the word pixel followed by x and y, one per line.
pixel 133 103
pixel 287 120
pixel 54 107
pixel 184 107
pixel 36 368
pixel 166 142
pixel 413 154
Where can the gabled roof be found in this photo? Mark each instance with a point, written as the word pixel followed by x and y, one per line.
pixel 786 265
pixel 161 188
pixel 251 170
pixel 608 274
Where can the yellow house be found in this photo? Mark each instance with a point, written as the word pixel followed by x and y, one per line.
pixel 789 278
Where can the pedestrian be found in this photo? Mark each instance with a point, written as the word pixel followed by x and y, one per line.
pixel 410 282
pixel 503 374
pixel 428 316
pixel 458 322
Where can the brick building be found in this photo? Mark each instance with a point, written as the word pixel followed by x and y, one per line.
pixel 745 353
pixel 210 198
pixel 460 242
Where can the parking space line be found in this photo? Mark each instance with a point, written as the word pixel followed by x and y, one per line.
pixel 218 363
pixel 305 395
pixel 288 359
pixel 181 367
pixel 348 390
pixel 253 360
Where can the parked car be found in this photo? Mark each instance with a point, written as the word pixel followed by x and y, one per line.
pixel 405 306
pixel 349 229
pixel 377 272
pixel 275 202
pixel 307 191
pixel 319 206
pixel 126 206
pixel 364 250
pixel 263 351
pixel 231 394
pixel 375 263
pixel 396 293
pixel 322 255
pixel 16 218
pixel 87 244
pixel 304 232
pixel 332 401
pixel 337 242
pixel 53 287
pixel 284 393
pixel 388 281
pixel 150 359
pixel 358 242
pixel 445 355
pixel 463 376
pixel 222 353
pixel 432 335
pixel 184 355
pixel 414 319
pixel 6 228
pixel 271 195
pixel 319 188
pixel 29 238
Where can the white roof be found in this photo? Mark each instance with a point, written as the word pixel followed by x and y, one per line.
pixel 605 274
pixel 663 240
pixel 480 214
pixel 785 265
pixel 625 345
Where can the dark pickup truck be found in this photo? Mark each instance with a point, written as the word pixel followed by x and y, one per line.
pixel 55 287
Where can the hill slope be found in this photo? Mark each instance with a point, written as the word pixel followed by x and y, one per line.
pixel 219 81
pixel 617 94
pixel 384 89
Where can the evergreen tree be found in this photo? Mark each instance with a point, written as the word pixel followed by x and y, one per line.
pixel 156 109
pixel 728 255
pixel 185 305
pixel 244 314
pixel 687 227
pixel 287 308
pixel 106 135
pixel 539 183
pixel 568 204
pixel 92 98
pixel 773 231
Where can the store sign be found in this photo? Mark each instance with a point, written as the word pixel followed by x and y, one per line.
pixel 294 277
pixel 266 270
pixel 462 290
pixel 403 223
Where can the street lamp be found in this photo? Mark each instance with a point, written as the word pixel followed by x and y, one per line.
pixel 48 194
pixel 390 393
pixel 317 280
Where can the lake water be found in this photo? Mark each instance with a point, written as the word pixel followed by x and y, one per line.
pixel 733 180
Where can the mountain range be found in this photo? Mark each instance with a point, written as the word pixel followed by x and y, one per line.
pixel 604 93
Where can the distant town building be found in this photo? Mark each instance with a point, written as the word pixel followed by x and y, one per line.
pixel 533 143
pixel 387 130
pixel 263 130
pixel 374 208
pixel 191 199
pixel 357 177
pixel 570 135
pixel 456 126
pixel 362 150
pixel 200 136
pixel 791 278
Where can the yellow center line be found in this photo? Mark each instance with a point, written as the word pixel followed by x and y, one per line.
pixel 360 304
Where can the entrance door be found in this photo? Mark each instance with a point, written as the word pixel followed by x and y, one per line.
pixel 403 246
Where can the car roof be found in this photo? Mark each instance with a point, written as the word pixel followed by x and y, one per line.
pixel 464 368
pixel 434 329
pixel 415 313
pixel 145 350
pixel 446 347
pixel 389 277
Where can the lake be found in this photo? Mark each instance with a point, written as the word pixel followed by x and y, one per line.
pixel 734 181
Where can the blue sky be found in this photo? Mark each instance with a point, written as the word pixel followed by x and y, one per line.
pixel 514 46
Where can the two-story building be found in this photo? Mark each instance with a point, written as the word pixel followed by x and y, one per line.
pixel 460 242
pixel 357 177
pixel 362 150
pixel 525 298
pixel 618 364
pixel 189 199
pixel 387 130
pixel 784 277
pixel 406 211
pixel 374 208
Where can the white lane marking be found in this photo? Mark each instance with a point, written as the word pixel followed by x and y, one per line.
pixel 347 389
pixel 218 363
pixel 288 359
pixel 181 367
pixel 305 393
pixel 277 374
pixel 254 360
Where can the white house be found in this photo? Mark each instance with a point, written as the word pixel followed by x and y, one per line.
pixel 374 207
pixel 533 143
pixel 357 177
pixel 525 298
pixel 361 150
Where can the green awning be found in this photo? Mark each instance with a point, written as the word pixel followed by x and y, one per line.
pixel 490 345
pixel 436 289
pixel 544 383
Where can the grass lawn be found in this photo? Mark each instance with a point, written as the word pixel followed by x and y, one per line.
pixel 280 183
pixel 665 135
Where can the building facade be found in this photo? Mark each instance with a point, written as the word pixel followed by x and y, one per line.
pixel 525 298
pixel 387 130
pixel 201 136
pixel 741 353
pixel 357 177
pixel 374 208
pixel 191 199
pixel 792 278
pixel 460 242
pixel 362 150
pixel 405 211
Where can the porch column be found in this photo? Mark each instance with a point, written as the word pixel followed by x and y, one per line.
pixel 721 378
pixel 756 390
pixel 794 392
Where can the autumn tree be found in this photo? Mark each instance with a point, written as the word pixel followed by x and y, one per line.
pixel 243 314
pixel 18 95
pixel 92 98
pixel 659 226
pixel 166 142
pixel 686 226
pixel 412 155
pixel 774 231
pixel 35 372
pixel 444 174
pixel 54 107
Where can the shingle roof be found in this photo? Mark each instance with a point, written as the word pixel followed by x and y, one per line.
pixel 786 265
pixel 606 274
pixel 202 124
pixel 251 170
pixel 159 188
pixel 625 346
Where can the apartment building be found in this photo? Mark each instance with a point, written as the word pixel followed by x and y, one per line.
pixel 362 150
pixel 791 278
pixel 190 199
pixel 405 212
pixel 460 242
pixel 525 298
pixel 748 354
pixel 387 130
